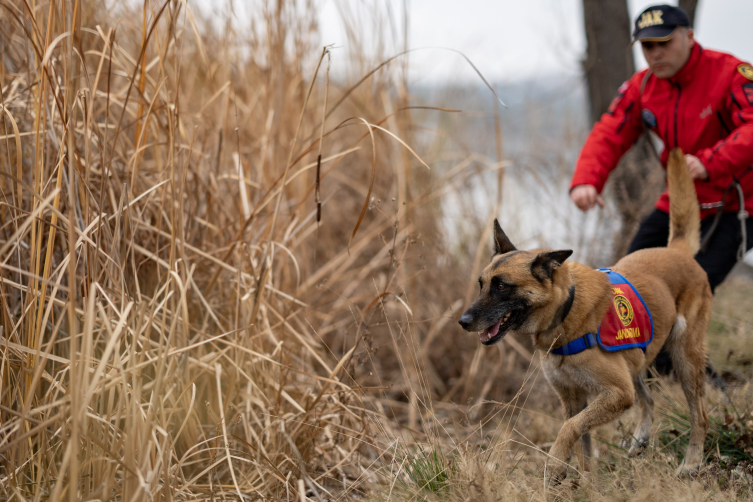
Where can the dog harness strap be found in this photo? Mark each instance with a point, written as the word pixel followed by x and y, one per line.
pixel 576 346
pixel 628 325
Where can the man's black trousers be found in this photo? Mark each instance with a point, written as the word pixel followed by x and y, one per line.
pixel 720 255
pixel 718 259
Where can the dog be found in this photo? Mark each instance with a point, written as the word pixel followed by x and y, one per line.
pixel 557 302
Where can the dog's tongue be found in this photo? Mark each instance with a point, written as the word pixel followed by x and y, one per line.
pixel 490 332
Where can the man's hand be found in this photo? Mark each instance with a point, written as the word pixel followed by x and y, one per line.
pixel 696 168
pixel 586 196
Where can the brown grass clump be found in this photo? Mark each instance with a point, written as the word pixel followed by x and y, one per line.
pixel 198 267
pixel 155 272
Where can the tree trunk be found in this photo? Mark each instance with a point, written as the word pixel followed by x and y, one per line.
pixel 609 58
pixel 636 183
pixel 689 6
pixel 638 179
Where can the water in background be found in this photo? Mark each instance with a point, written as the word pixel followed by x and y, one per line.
pixel 543 129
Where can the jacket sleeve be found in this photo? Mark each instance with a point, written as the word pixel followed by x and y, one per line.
pixel 731 156
pixel 610 137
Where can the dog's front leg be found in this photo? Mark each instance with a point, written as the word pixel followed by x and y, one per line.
pixel 607 406
pixel 573 402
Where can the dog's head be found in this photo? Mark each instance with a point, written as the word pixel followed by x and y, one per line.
pixel 521 291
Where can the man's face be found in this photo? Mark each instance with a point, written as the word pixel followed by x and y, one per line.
pixel 668 57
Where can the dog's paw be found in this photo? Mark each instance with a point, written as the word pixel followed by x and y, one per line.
pixel 584 479
pixel 637 447
pixel 553 476
pixel 688 469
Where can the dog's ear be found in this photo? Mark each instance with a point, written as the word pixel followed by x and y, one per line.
pixel 502 244
pixel 545 264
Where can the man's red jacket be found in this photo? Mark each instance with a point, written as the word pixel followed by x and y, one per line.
pixel 706 109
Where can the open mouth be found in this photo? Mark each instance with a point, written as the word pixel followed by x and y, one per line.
pixel 496 331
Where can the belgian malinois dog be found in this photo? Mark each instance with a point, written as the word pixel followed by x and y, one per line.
pixel 540 294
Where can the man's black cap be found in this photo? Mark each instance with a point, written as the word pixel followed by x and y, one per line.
pixel 658 22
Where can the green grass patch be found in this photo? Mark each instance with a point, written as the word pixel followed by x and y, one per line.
pixel 428 468
pixel 730 435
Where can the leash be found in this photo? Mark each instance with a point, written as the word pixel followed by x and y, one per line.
pixel 742 216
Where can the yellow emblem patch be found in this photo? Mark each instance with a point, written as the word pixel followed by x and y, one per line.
pixel 746 71
pixel 624 309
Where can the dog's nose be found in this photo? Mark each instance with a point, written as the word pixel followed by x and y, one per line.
pixel 466 320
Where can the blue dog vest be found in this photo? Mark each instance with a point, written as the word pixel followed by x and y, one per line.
pixel 627 325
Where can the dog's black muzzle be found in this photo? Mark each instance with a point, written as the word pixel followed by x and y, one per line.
pixel 466 320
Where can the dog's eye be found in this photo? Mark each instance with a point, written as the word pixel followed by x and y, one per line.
pixel 501 287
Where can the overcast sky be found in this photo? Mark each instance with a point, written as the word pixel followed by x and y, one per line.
pixel 521 39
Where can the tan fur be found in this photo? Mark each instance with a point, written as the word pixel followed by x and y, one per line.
pixel 596 386
pixel 685 227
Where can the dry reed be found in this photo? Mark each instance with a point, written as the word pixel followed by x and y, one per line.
pixel 154 339
pixel 194 251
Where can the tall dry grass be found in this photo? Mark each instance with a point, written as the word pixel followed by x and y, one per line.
pixel 160 245
pixel 203 238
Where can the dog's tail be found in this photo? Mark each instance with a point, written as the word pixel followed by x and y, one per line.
pixel 684 212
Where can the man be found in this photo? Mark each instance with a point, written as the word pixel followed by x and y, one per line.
pixel 692 98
